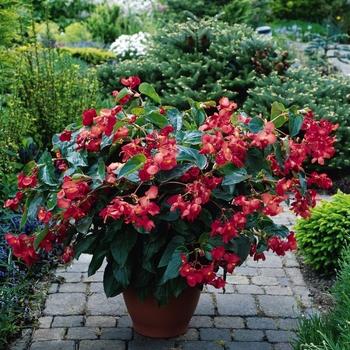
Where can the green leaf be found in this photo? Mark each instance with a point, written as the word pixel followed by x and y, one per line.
pixel 190 137
pixel 121 246
pixel 191 155
pixel 47 170
pixel 273 229
pixel 111 286
pixel 198 112
pixel 97 259
pixel 84 244
pixel 149 91
pixel 78 158
pixel 255 161
pixel 158 119
pixel 83 225
pixel 278 114
pixel 176 172
pixel 295 121
pixel 169 251
pixel 133 164
pixel 256 124
pixel 122 93
pixel 40 236
pixel 235 177
pixel 175 118
pixel 225 193
pixel 33 205
pixel 173 267
pixel 123 273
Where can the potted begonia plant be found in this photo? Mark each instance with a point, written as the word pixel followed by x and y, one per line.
pixel 172 200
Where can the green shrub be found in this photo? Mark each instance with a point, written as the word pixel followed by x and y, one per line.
pixel 89 55
pixel 322 237
pixel 102 24
pixel 47 92
pixel 327 96
pixel 329 331
pixel 201 60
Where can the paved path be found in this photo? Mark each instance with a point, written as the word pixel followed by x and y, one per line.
pixel 257 312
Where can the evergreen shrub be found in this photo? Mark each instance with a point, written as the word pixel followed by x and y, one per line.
pixel 90 55
pixel 322 237
pixel 327 96
pixel 200 60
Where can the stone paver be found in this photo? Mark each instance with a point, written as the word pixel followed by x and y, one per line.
pixel 258 311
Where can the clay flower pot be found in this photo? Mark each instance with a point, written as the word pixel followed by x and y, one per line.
pixel 168 321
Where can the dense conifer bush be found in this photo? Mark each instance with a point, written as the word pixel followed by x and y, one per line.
pixel 200 60
pixel 327 96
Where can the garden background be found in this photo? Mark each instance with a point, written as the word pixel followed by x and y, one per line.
pixel 60 57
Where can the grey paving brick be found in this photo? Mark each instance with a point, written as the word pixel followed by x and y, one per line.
pixel 196 345
pixel 79 333
pixel 261 323
pixel 238 305
pixel 214 334
pixel 246 271
pixel 229 322
pixel 271 261
pixel 48 334
pixel 99 305
pixel 124 321
pixel 201 321
pixel 53 345
pixel 283 346
pixel 278 290
pixel 53 288
pixel 264 281
pixel 101 321
pixel 116 333
pixel 102 345
pixel 248 335
pixel 269 272
pixel 70 276
pixel 96 287
pixel 287 323
pixel 190 335
pixel 68 321
pixel 205 305
pixel 295 275
pixel 97 277
pixel 45 321
pixel 236 279
pixel 65 304
pixel 279 306
pixel 249 289
pixel 279 336
pixel 72 288
pixel 247 346
pixel 151 344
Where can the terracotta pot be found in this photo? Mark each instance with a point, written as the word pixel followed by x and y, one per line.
pixel 168 321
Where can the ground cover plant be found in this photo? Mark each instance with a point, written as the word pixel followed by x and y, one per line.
pixel 329 331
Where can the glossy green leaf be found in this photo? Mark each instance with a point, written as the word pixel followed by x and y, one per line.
pixel 83 225
pixel 295 121
pixel 191 155
pixel 157 119
pixel 170 249
pixel 123 273
pixel 122 244
pixel 190 137
pixel 176 172
pixel 149 91
pixel 40 236
pixel 278 114
pixel 175 118
pixel 111 286
pixel 47 170
pixel 133 164
pixel 198 112
pixel 97 260
pixel 173 267
pixel 256 124
pixel 235 177
pixel 84 244
pixel 122 93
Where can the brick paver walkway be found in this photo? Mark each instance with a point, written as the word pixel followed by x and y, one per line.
pixel 258 311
